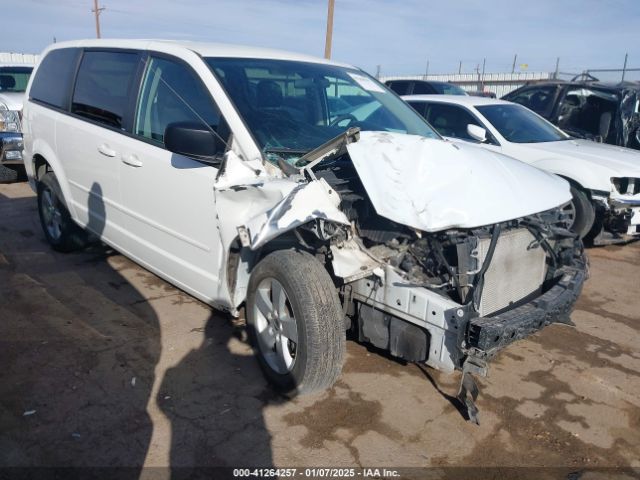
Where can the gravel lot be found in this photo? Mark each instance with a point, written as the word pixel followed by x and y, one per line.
pixel 105 364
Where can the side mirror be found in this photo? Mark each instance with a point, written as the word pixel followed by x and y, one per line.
pixel 477 133
pixel 194 140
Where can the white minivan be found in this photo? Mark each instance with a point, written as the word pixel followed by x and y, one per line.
pixel 304 191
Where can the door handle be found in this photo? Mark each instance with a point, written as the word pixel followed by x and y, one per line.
pixel 131 160
pixel 105 150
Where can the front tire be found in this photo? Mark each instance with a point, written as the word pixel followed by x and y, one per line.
pixel 61 232
pixel 295 322
pixel 581 211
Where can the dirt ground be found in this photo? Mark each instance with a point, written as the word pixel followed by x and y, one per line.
pixel 105 364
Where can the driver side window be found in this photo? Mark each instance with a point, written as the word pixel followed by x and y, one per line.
pixel 171 92
pixel 451 120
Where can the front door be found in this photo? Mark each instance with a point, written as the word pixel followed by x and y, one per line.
pixel 169 198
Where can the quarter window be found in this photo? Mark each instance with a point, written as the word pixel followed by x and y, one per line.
pixel 171 92
pixel 103 86
pixel 52 82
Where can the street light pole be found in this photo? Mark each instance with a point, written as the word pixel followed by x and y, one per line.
pixel 97 11
pixel 329 37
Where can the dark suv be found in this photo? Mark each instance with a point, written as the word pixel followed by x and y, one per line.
pixel 587 108
pixel 424 87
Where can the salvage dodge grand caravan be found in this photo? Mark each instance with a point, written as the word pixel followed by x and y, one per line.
pixel 303 190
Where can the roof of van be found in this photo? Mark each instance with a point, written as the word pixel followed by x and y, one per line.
pixel 201 48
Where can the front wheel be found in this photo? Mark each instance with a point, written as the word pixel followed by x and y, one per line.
pixel 295 322
pixel 580 212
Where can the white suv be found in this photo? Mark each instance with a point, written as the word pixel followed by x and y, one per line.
pixel 304 190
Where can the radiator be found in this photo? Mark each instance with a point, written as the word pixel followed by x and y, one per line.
pixel 517 270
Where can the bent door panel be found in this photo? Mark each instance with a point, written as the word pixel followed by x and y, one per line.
pixel 169 198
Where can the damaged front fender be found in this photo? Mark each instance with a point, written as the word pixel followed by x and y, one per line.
pixel 305 203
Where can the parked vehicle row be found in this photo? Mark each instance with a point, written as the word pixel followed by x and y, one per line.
pixel 312 196
pixel 605 179
pixel 13 83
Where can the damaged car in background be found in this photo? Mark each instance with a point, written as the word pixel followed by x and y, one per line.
pixel 316 221
pixel 605 179
pixel 585 107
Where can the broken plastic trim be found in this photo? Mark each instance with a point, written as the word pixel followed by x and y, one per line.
pixel 469 391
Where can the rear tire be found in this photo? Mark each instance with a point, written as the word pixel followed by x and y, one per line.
pixel 295 322
pixel 583 211
pixel 62 233
pixel 7 174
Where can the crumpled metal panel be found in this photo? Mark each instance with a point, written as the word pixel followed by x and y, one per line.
pixel 433 185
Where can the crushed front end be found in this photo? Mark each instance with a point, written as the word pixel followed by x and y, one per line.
pixel 619 210
pixel 473 292
pixel 454 299
pixel 431 272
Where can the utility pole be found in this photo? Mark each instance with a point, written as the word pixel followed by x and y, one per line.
pixel 329 37
pixel 515 59
pixel 624 68
pixel 460 67
pixel 484 62
pixel 378 70
pixel 426 73
pixel 97 11
pixel 555 75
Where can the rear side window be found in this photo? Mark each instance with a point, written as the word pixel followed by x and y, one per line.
pixel 420 88
pixel 103 86
pixel 419 107
pixel 538 99
pixel 451 120
pixel 52 82
pixel 400 87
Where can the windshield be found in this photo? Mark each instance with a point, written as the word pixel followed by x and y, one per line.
pixel 293 107
pixel 518 124
pixel 448 89
pixel 14 79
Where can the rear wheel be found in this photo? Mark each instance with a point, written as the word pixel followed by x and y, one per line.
pixel 295 322
pixel 62 233
pixel 580 212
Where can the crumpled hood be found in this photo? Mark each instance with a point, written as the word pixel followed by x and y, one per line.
pixel 13 100
pixel 611 160
pixel 434 185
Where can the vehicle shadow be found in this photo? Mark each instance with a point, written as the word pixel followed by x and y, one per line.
pixel 81 345
pixel 79 350
pixel 215 399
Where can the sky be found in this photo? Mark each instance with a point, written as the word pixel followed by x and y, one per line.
pixel 400 36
